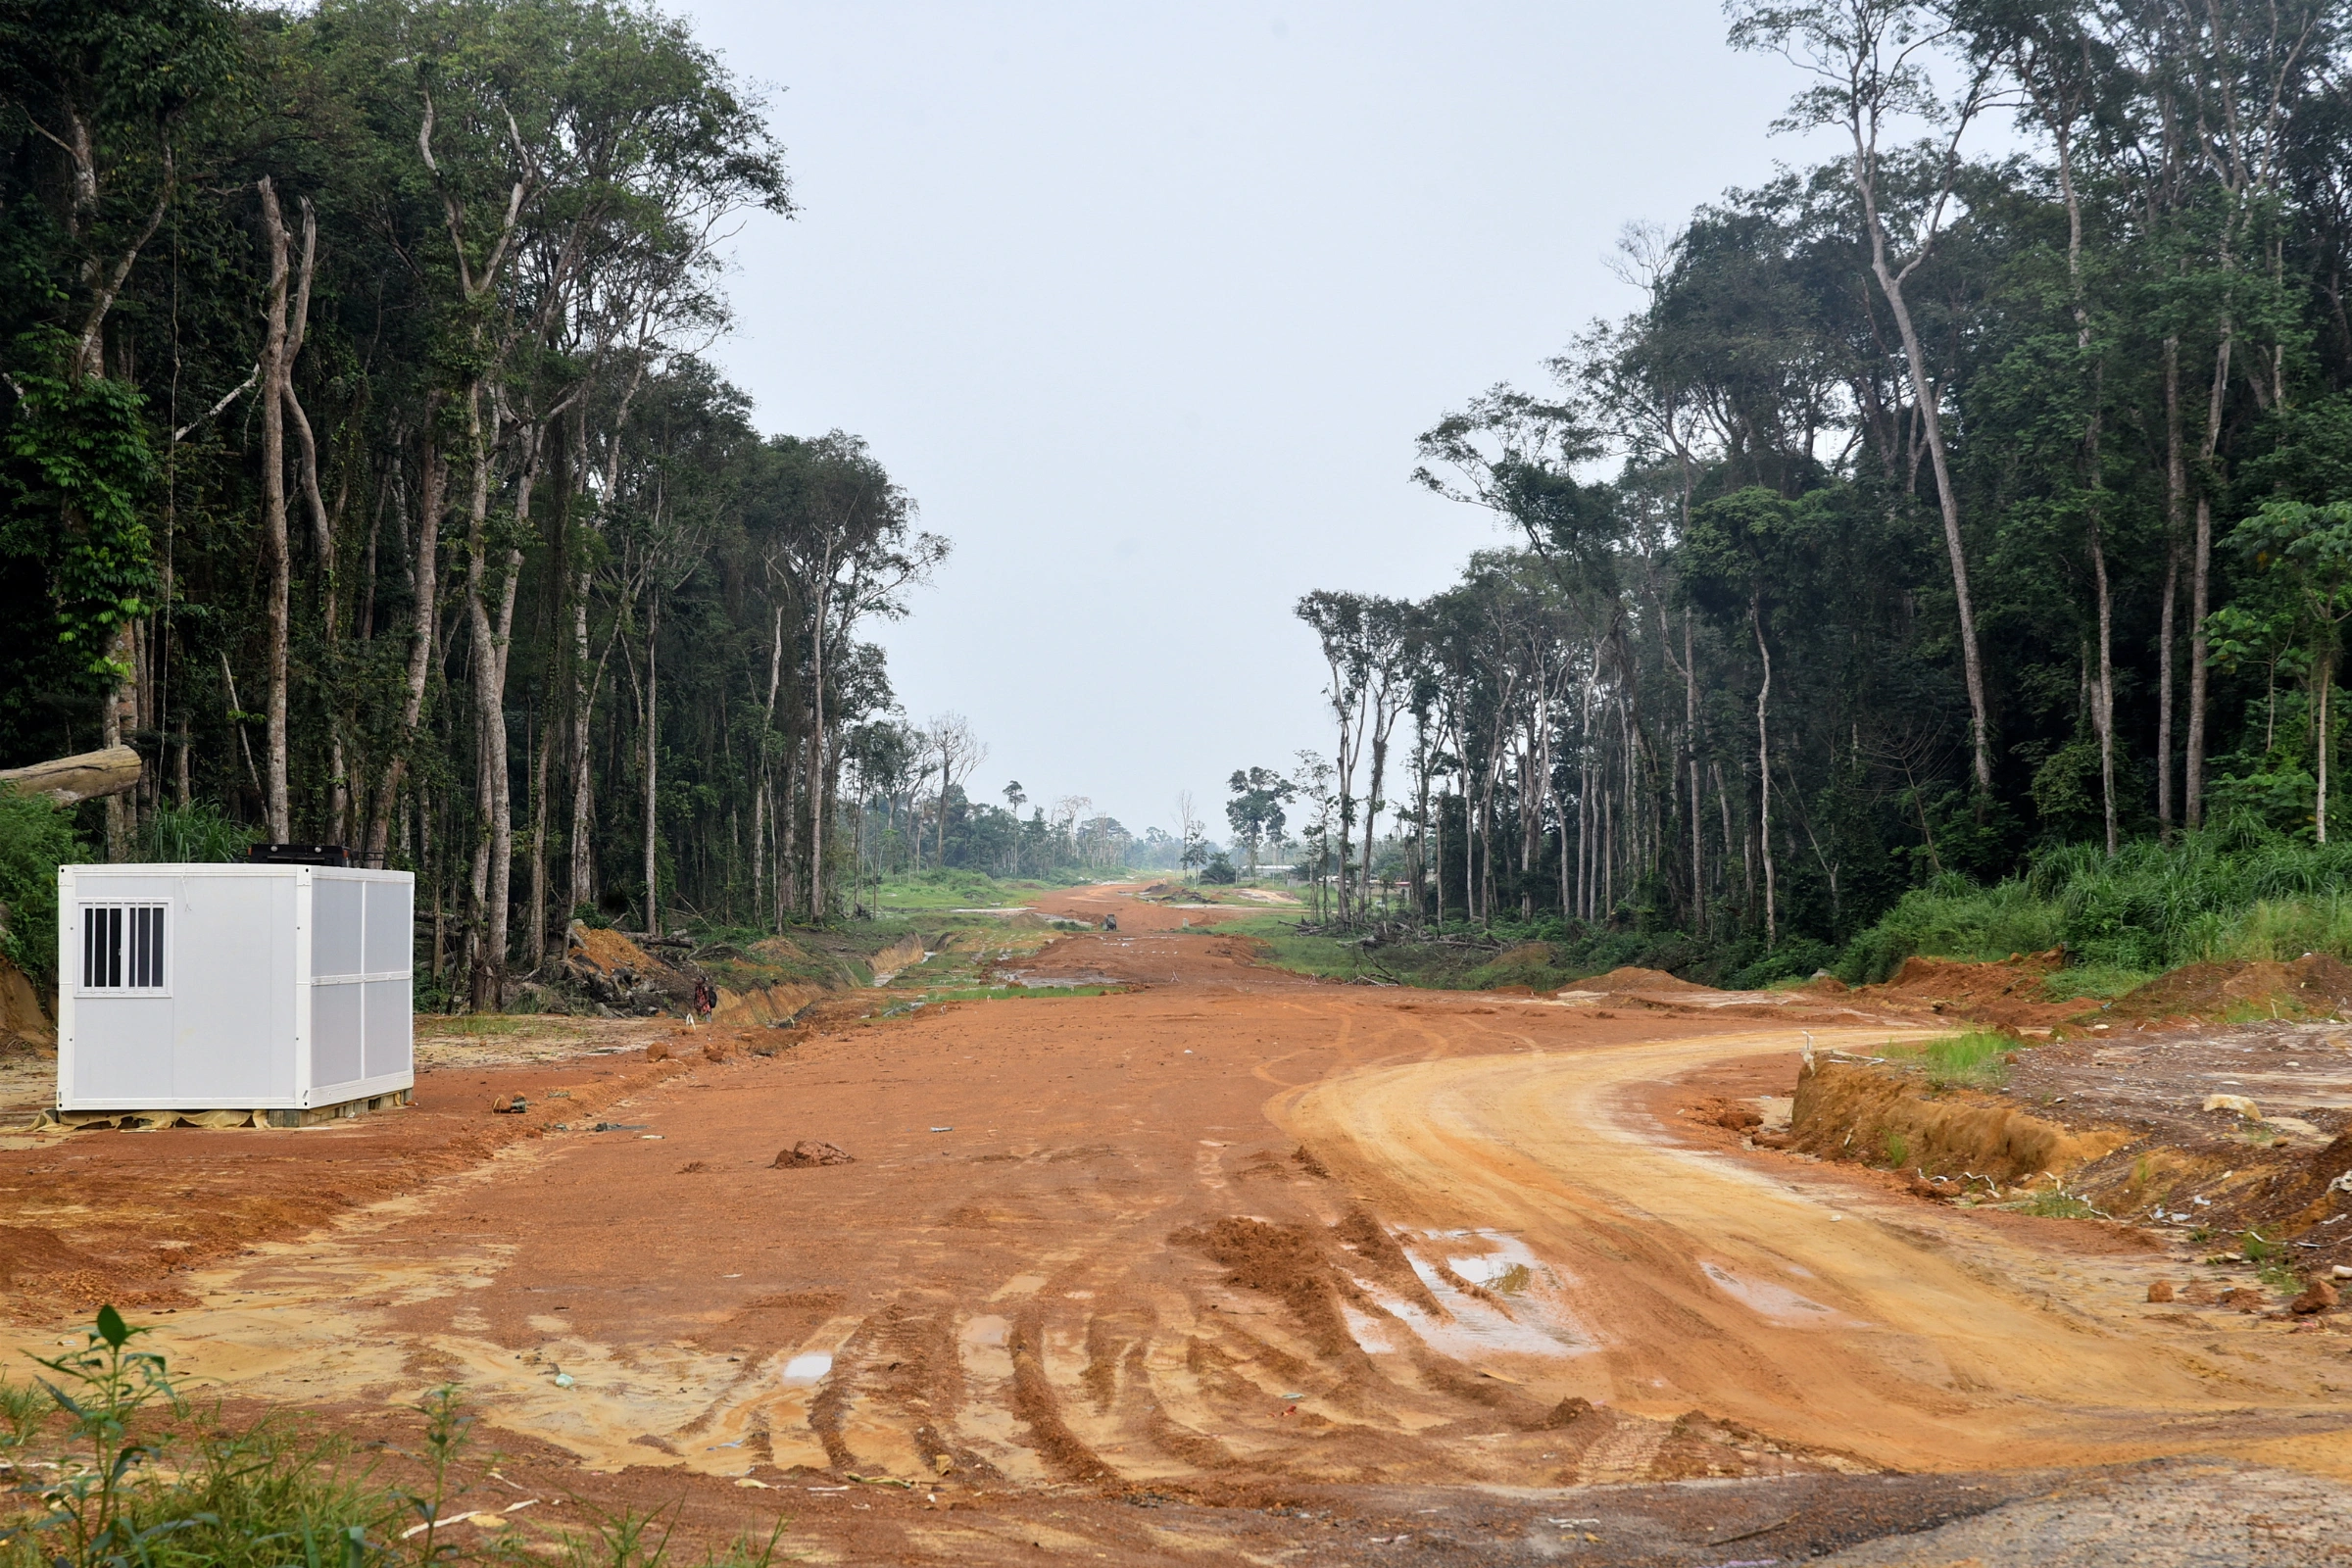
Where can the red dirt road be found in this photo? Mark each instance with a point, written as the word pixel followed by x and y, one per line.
pixel 1231 1234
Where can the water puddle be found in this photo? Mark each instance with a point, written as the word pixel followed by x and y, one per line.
pixel 1538 1321
pixel 1776 1303
pixel 1371 1335
pixel 809 1367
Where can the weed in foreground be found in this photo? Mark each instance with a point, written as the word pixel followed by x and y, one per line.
pixel 137 1480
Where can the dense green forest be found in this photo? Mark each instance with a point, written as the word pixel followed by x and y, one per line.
pixel 1979 495
pixel 358 465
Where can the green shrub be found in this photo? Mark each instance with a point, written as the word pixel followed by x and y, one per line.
pixel 199 833
pixel 2239 890
pixel 36 839
pixel 1795 959
pixel 1978 1059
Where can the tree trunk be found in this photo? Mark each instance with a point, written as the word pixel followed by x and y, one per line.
pixel 494 820
pixel 274 552
pixel 652 763
pixel 816 757
pixel 1764 774
pixel 543 748
pixel 1698 880
pixel 1923 392
pixel 420 639
pixel 2175 486
pixel 2322 737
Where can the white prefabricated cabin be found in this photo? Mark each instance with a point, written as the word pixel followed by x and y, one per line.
pixel 233 987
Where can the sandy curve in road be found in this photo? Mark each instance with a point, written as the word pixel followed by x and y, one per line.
pixel 1822 1311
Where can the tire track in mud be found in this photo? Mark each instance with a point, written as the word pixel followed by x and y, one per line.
pixel 1782 1301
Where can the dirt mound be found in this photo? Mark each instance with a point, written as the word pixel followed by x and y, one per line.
pixel 1870 1114
pixel 23 1020
pixel 619 974
pixel 608 950
pixel 2314 985
pixel 812 1151
pixel 1630 978
pixel 762 1005
pixel 2006 995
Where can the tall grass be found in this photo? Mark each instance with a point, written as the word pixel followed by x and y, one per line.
pixel 198 833
pixel 1975 1060
pixel 2235 891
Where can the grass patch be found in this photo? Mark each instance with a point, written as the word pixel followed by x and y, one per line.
pixel 1978 1059
pixel 477 1025
pixel 956 889
pixel 2056 1202
pixel 2098 981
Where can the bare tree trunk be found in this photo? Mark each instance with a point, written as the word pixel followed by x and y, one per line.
pixel 816 772
pixel 652 763
pixel 1764 773
pixel 2326 741
pixel 274 551
pixel 581 884
pixel 766 783
pixel 543 750
pixel 1925 394
pixel 420 639
pixel 1698 879
pixel 1586 817
pixel 492 796
pixel 2175 486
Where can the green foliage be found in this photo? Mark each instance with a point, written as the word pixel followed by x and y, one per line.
pixel 1952 918
pixel 1978 1059
pixel 1220 870
pixel 78 467
pixel 36 839
pixel 200 833
pixel 2240 891
pixel 1794 958
pixel 101 1388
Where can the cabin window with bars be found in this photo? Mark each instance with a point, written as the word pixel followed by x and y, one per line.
pixel 123 948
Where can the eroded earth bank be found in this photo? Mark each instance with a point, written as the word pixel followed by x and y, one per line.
pixel 1225 1265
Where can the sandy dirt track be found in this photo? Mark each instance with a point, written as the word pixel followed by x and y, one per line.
pixel 1232 1237
pixel 1819 1310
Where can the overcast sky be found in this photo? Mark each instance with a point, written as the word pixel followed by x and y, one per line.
pixel 1145 305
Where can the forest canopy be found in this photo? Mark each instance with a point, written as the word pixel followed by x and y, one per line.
pixel 1937 510
pixel 359 466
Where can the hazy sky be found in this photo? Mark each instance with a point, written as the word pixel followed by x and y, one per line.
pixel 1145 304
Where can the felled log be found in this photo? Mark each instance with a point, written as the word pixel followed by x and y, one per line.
pixel 84 777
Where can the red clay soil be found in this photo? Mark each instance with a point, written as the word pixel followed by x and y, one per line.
pixel 2316 985
pixel 1232 1263
pixel 2001 995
